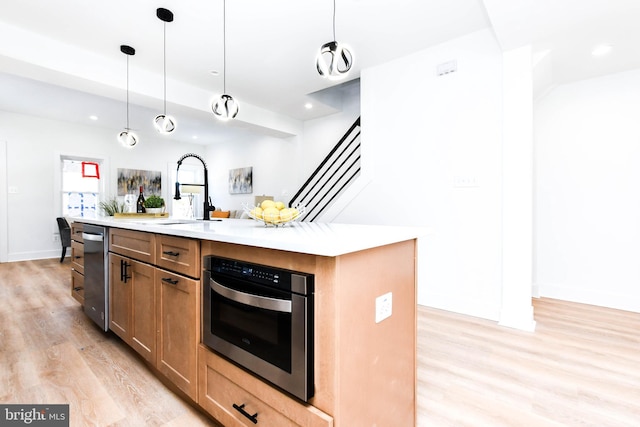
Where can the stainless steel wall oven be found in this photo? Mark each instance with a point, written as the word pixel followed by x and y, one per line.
pixel 261 318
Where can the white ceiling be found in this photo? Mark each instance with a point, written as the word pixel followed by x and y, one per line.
pixel 62 59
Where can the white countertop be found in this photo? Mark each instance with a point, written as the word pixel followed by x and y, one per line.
pixel 325 239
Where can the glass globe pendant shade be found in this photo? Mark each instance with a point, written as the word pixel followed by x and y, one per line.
pixel 128 138
pixel 164 123
pixel 225 107
pixel 334 60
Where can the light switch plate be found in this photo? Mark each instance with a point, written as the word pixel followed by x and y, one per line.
pixel 384 306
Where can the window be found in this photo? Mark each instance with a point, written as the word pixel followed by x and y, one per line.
pixel 80 187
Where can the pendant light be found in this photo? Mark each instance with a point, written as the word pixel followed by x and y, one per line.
pixel 164 123
pixel 126 137
pixel 334 59
pixel 225 107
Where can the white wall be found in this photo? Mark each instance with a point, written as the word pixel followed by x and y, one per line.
pixel 34 146
pixel 280 166
pixel 274 169
pixel 587 208
pixel 426 137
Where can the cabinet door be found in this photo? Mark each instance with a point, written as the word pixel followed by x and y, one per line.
pixel 179 330
pixel 143 310
pixel 119 297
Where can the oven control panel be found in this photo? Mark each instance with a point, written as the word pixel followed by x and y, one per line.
pixel 262 274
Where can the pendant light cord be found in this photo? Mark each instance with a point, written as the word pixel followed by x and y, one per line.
pixel 224 46
pixel 127 92
pixel 164 65
pixel 334 20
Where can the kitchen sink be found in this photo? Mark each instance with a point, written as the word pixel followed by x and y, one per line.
pixel 170 221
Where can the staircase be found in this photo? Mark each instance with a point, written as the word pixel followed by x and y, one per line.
pixel 339 169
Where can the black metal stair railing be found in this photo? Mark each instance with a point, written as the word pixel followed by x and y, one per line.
pixel 332 177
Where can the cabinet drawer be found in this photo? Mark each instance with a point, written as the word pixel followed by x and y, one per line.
pixel 76 231
pixel 134 244
pixel 77 256
pixel 77 286
pixel 178 254
pixel 218 393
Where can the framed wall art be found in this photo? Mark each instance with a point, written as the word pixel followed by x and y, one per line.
pixel 241 180
pixel 130 180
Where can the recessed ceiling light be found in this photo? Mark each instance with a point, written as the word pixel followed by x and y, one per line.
pixel 93 117
pixel 308 105
pixel 194 137
pixel 601 49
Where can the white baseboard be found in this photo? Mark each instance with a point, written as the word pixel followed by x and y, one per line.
pixel 629 302
pixel 29 256
pixel 457 305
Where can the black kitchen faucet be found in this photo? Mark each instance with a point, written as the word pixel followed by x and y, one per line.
pixel 208 207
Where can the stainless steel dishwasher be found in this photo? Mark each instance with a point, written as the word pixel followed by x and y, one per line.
pixel 96 274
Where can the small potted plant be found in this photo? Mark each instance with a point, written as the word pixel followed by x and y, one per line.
pixel 154 204
pixel 111 206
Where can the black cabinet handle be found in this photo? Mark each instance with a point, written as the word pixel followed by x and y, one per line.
pixel 77 256
pixel 253 418
pixel 78 288
pixel 123 271
pixel 171 253
pixel 169 280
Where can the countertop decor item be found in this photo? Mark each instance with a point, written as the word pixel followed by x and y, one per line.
pixel 154 204
pixel 274 215
pixel 112 206
pixel 146 215
pixel 163 122
pixel 128 138
pixel 225 107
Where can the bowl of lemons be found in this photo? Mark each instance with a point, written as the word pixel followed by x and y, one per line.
pixel 274 213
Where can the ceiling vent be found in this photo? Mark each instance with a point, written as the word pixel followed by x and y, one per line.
pixel 447 68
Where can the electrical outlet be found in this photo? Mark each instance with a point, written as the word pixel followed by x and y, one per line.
pixel 384 304
pixel 56 238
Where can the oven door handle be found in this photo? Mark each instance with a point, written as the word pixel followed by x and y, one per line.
pixel 273 304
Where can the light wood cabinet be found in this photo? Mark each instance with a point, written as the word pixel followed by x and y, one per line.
pixel 76 231
pixel 132 299
pixel 154 310
pixel 364 371
pixel 77 262
pixel 178 317
pixel 178 254
pixel 137 245
pixel 237 399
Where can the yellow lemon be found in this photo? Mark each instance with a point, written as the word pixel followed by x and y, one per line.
pixel 294 213
pixel 280 205
pixel 267 204
pixel 271 214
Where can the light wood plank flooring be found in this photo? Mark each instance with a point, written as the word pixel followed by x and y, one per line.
pixel 580 368
pixel 50 352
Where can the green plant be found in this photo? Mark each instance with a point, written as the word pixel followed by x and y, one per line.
pixel 112 206
pixel 154 201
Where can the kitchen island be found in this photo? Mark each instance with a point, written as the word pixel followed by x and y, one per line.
pixel 364 363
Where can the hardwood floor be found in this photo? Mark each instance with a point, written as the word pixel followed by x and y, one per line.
pixel 50 353
pixel 580 368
